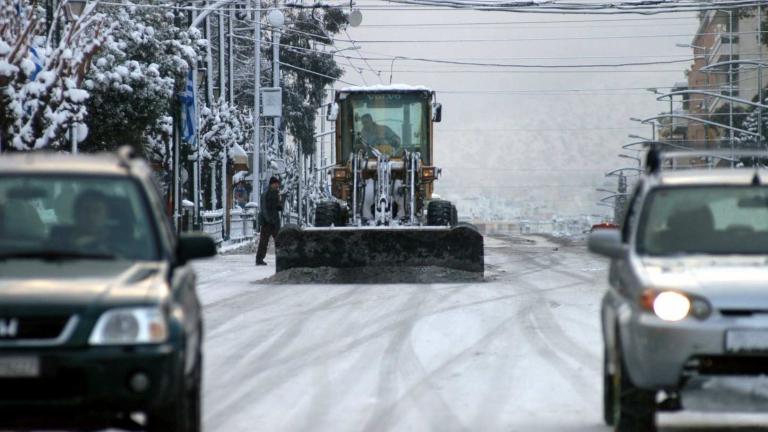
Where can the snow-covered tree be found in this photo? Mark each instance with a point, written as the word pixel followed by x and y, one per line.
pixel 136 77
pixel 750 123
pixel 41 95
pixel 222 126
pixel 305 89
pixel 306 71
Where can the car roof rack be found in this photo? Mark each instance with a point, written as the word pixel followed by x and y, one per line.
pixel 656 160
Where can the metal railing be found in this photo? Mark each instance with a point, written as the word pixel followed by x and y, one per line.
pixel 241 225
pixel 213 224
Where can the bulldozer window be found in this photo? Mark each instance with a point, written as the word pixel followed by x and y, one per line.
pixel 389 122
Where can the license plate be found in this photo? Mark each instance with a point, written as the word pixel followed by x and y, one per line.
pixel 19 367
pixel 746 340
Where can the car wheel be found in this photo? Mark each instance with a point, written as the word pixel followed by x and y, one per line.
pixel 184 413
pixel 171 417
pixel 634 409
pixel 607 391
pixel 195 395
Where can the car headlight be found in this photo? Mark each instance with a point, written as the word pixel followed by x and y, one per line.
pixel 671 306
pixel 674 305
pixel 130 326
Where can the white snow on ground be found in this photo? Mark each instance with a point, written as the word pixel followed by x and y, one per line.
pixel 520 352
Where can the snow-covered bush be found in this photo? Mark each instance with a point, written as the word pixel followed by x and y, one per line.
pixel 41 95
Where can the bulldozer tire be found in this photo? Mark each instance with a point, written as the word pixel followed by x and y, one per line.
pixel 439 213
pixel 454 215
pixel 327 213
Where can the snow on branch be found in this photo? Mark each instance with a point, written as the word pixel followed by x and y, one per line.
pixel 41 97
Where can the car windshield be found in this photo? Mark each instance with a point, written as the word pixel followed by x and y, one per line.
pixel 74 217
pixel 705 220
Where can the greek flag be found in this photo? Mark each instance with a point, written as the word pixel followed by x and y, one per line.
pixel 188 111
pixel 38 60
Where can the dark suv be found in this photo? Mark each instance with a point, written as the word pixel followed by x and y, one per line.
pixel 100 324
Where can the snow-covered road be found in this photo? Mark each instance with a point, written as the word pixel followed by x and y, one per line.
pixel 520 352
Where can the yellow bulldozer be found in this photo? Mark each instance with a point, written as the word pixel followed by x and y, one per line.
pixel 383 212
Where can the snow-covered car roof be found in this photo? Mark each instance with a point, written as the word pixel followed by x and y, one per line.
pixel 382 88
pixel 43 162
pixel 723 176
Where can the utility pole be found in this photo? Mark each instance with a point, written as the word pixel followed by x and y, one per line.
pixel 730 82
pixel 276 75
pixel 760 75
pixel 620 200
pixel 256 195
pixel 222 75
pixel 208 61
pixel 231 70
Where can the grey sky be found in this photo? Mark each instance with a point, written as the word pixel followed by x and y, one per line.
pixel 532 154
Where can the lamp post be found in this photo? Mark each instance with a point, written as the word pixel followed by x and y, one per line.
pixel 256 168
pixel 74 9
pixel 276 20
pixel 653 126
pixel 392 66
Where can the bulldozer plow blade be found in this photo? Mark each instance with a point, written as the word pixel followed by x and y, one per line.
pixel 459 247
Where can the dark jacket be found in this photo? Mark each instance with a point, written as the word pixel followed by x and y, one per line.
pixel 270 208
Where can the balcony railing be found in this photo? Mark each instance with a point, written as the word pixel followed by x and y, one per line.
pixel 721 50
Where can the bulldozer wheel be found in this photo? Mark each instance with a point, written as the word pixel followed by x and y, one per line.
pixel 454 215
pixel 327 213
pixel 439 213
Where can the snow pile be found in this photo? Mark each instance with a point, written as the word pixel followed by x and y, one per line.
pixel 372 275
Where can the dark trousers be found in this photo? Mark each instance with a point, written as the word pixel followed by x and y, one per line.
pixel 267 231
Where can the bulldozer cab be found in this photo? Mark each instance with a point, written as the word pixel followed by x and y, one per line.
pixel 391 120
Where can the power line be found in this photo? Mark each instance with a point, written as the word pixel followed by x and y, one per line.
pixel 481 24
pixel 440 130
pixel 546 39
pixel 650 7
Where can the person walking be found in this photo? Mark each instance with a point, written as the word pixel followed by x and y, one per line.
pixel 269 218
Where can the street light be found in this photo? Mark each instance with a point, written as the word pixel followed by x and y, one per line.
pixel 639 162
pixel 682 45
pixel 75 9
pixel 653 126
pixel 392 65
pixel 606 191
pixel 633 144
pixel 620 171
pixel 352 48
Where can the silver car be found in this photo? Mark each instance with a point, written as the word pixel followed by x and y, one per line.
pixel 688 297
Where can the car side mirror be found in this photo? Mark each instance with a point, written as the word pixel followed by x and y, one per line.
pixel 607 242
pixel 437 112
pixel 194 245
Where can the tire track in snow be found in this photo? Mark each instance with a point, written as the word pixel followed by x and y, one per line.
pixel 399 351
pixel 255 355
pixel 276 371
pixel 415 390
